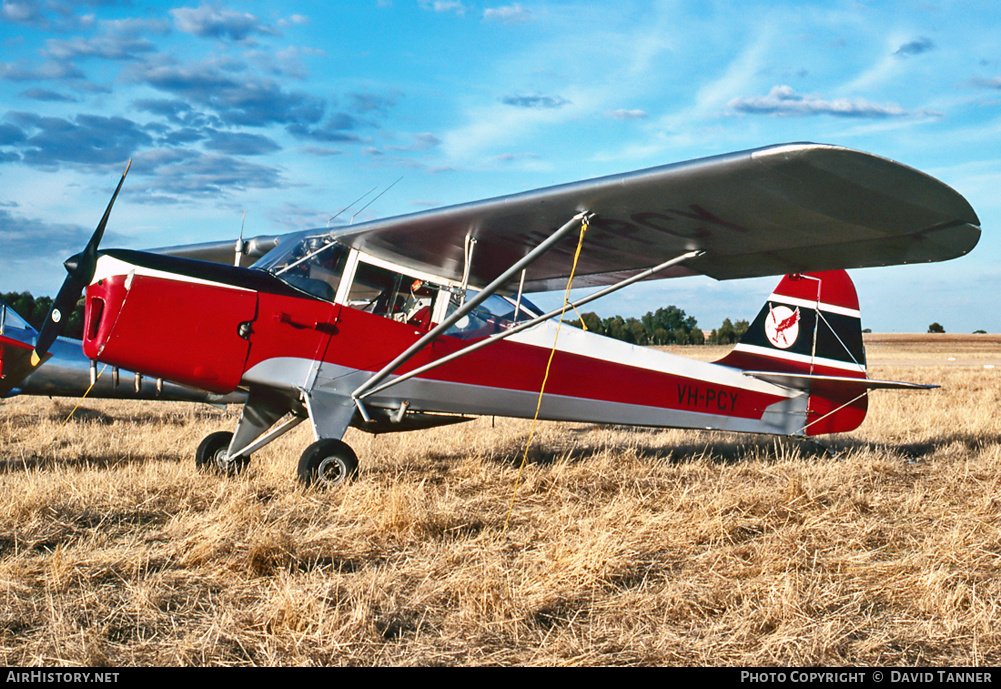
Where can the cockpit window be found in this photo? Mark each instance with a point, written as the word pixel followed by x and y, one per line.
pixel 496 313
pixel 393 294
pixel 312 263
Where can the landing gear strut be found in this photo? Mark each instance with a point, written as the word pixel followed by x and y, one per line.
pixel 327 463
pixel 211 455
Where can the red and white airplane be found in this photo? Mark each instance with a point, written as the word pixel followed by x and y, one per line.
pixel 422 320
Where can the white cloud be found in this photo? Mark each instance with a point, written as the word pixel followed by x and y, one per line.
pixel 623 114
pixel 784 101
pixel 444 6
pixel 508 14
pixel 295 19
pixel 215 22
pixel 538 101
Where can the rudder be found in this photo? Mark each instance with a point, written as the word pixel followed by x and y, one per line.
pixel 809 333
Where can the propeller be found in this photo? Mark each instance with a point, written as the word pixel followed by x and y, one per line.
pixel 81 269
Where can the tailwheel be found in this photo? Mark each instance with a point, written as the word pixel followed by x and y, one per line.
pixel 211 455
pixel 327 463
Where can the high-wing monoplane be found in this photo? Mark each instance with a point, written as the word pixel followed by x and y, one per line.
pixel 423 320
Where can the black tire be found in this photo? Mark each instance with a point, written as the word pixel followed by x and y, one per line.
pixel 211 455
pixel 327 463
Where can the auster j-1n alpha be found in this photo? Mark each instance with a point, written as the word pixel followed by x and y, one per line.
pixel 423 320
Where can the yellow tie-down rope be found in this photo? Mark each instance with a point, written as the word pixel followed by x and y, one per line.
pixel 545 378
pixel 89 388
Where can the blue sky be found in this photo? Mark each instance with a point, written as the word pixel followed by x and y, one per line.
pixel 290 111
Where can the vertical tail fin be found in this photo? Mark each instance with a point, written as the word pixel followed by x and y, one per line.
pixel 811 327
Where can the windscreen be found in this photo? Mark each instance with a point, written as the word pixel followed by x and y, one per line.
pixel 312 263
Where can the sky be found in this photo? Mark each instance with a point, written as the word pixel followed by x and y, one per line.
pixel 289 112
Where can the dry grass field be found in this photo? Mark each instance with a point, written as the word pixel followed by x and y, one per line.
pixel 625 546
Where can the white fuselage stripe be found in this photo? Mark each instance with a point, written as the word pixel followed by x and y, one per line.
pixel 798 358
pixel 808 304
pixel 109 266
pixel 785 416
pixel 582 343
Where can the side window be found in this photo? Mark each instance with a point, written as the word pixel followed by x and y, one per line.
pixel 495 314
pixel 390 294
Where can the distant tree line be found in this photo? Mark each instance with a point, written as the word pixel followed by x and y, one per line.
pixel 35 309
pixel 937 327
pixel 665 326
pixel 728 333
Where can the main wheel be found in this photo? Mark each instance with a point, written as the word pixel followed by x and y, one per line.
pixel 211 454
pixel 327 463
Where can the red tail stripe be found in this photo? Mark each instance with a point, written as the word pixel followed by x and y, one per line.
pixel 835 287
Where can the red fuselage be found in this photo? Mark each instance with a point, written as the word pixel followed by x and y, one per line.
pixel 218 328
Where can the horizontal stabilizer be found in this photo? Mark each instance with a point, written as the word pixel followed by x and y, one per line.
pixel 803 381
pixel 17 340
pixel 15 363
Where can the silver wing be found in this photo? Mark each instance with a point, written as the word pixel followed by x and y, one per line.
pixel 771 211
pixel 224 251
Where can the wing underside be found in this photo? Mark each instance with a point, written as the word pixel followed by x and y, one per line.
pixel 778 210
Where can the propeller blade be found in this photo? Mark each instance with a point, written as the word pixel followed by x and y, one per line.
pixel 61 309
pixel 88 262
pixel 81 269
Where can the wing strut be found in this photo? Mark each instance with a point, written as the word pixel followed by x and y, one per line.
pixel 534 321
pixel 467 307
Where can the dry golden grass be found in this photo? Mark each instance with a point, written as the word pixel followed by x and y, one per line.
pixel 941 348
pixel 625 546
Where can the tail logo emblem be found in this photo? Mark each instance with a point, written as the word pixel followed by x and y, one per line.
pixel 782 326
